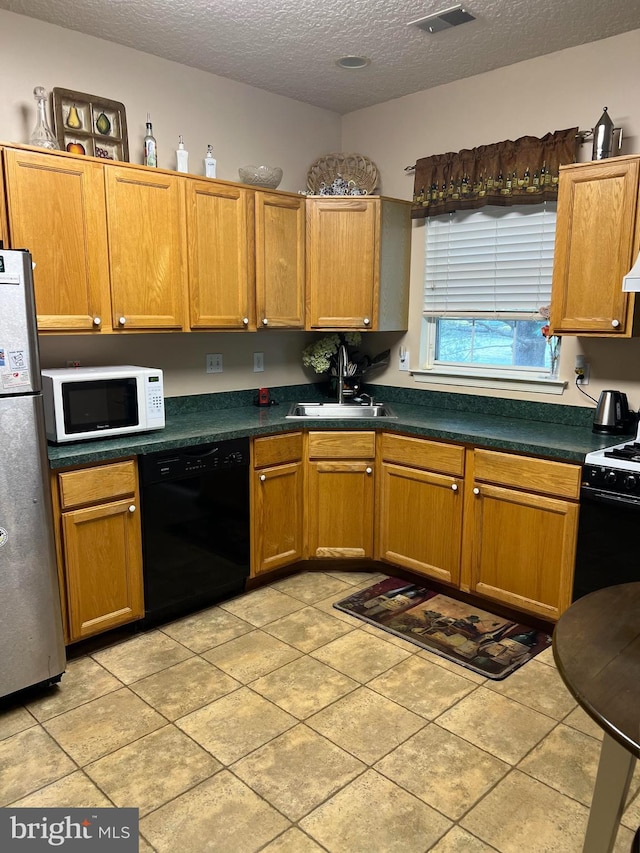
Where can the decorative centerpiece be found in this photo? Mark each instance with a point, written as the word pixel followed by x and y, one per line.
pixel 342 174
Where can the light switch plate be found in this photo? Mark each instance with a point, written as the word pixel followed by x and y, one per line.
pixel 214 362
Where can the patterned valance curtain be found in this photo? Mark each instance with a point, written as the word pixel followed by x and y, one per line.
pixel 505 173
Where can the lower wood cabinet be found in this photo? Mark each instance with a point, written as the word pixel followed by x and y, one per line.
pixel 340 493
pixel 521 531
pixel 98 538
pixel 420 501
pixel 277 502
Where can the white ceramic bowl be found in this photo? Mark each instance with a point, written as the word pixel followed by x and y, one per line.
pixel 261 176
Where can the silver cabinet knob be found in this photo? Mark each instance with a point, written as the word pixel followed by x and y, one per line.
pixel 265 322
pixel 132 508
pixel 122 320
pixel 97 321
pixel 245 321
pixel 369 471
pixel 454 487
pixel 615 323
pixel 263 477
pixel 367 321
pixel 476 491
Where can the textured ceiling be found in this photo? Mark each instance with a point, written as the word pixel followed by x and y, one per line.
pixel 290 46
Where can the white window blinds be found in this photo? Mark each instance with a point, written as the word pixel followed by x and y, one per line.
pixel 495 261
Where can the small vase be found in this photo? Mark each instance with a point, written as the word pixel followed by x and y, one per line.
pixel 42 134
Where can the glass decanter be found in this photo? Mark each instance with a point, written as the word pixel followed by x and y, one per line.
pixel 42 134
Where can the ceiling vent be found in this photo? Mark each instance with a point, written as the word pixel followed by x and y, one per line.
pixel 452 17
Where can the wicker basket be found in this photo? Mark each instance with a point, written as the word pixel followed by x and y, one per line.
pixel 349 167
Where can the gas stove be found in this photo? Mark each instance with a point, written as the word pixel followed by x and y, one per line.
pixel 614 469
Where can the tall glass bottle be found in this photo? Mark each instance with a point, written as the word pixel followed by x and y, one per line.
pixel 150 146
pixel 42 134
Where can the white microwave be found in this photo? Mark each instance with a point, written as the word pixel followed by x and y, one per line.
pixel 100 402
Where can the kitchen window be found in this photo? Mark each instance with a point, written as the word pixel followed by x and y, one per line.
pixel 487 276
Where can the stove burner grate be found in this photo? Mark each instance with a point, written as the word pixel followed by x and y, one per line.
pixel 631 452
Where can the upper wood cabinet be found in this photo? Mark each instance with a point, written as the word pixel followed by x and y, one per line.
pixel 220 256
pixel 597 241
pixel 127 248
pixel 56 210
pixel 147 248
pixel 246 257
pixel 280 260
pixel 357 263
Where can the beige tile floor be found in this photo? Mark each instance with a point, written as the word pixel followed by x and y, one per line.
pixel 274 722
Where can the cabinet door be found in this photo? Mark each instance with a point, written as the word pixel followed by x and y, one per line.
pixel 340 508
pixel 103 559
pixel 220 253
pixel 342 263
pixel 280 269
pixel 420 521
pixel 523 549
pixel 595 248
pixel 147 248
pixel 56 209
pixel 277 517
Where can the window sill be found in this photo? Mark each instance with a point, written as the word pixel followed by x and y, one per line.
pixel 500 380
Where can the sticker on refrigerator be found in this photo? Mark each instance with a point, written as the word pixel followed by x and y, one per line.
pixel 2 361
pixel 18 359
pixel 15 379
pixel 4 536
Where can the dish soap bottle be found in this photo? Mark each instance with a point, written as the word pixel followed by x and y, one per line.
pixel 209 163
pixel 150 146
pixel 182 157
pixel 42 134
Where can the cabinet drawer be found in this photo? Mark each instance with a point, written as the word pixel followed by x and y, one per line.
pixel 522 472
pixel 275 449
pixel 93 485
pixel 421 453
pixel 342 445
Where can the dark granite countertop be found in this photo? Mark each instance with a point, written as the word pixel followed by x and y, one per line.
pixel 555 431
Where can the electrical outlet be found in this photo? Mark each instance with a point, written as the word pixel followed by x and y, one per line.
pixel 403 359
pixel 214 362
pixel 582 370
pixel 258 362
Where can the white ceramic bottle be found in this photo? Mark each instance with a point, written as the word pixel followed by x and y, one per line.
pixel 209 163
pixel 182 156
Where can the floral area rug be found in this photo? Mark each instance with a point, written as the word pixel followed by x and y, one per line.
pixel 476 639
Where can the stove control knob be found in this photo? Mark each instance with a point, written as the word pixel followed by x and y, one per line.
pixel 630 482
pixel 610 478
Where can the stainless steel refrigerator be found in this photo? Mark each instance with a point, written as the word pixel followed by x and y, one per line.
pixel 31 640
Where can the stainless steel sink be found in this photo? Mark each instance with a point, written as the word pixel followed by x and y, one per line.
pixel 338 411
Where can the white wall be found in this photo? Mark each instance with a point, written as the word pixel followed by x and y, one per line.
pixel 244 124
pixel 564 89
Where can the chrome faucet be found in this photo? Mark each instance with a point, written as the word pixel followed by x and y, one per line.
pixel 343 361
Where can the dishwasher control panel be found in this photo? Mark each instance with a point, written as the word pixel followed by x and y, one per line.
pixel 195 460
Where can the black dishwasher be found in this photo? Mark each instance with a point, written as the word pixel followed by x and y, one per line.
pixel 195 526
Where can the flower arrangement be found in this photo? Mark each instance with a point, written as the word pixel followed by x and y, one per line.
pixel 322 355
pixel 553 341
